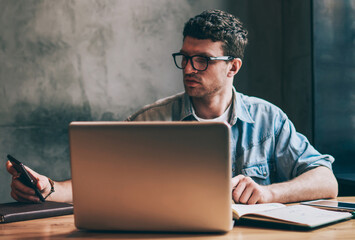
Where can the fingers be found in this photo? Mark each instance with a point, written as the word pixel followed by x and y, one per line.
pixel 246 191
pixel 238 190
pixel 255 197
pixel 18 198
pixel 246 194
pixel 252 193
pixel 242 190
pixel 21 192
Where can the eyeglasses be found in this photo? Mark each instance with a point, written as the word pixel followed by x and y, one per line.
pixel 199 63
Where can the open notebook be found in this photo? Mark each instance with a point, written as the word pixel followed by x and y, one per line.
pixel 300 216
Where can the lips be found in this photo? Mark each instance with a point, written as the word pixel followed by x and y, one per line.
pixel 191 82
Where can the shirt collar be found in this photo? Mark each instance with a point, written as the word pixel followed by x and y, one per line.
pixel 186 109
pixel 239 109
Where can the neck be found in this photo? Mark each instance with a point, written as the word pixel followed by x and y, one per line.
pixel 212 106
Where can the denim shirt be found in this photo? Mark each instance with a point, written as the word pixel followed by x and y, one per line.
pixel 264 143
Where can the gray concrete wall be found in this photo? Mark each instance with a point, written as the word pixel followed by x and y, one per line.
pixel 81 60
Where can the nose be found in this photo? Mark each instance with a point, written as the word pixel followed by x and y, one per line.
pixel 188 68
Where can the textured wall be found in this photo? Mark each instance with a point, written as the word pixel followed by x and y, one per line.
pixel 81 60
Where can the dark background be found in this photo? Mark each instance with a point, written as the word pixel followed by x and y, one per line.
pixel 104 59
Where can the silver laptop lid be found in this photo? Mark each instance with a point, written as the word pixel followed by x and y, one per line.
pixel 151 176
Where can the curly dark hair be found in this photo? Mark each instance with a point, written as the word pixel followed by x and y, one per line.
pixel 221 26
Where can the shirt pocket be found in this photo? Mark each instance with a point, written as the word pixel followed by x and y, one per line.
pixel 260 173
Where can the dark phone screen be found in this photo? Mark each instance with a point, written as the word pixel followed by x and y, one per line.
pixel 346 205
pixel 334 204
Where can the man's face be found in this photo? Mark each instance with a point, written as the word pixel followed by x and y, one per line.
pixel 211 82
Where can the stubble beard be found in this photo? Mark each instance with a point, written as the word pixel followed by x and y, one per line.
pixel 194 91
pixel 200 92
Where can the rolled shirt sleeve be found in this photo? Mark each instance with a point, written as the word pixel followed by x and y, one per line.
pixel 267 147
pixel 294 154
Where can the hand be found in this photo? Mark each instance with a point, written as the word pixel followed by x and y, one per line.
pixel 23 193
pixel 245 190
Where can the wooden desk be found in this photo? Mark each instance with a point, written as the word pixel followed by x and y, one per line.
pixel 63 227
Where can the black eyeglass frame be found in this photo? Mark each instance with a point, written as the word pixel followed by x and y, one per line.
pixel 221 58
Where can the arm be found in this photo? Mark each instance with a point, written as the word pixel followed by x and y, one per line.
pixel 22 193
pixel 302 173
pixel 316 183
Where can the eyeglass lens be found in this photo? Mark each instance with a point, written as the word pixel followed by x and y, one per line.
pixel 197 62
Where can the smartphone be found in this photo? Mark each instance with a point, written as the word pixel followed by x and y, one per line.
pixel 332 205
pixel 25 177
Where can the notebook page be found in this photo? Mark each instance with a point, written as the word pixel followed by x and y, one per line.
pixel 305 215
pixel 241 209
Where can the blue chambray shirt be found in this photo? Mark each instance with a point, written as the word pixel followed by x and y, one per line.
pixel 264 143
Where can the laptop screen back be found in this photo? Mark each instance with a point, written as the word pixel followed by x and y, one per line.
pixel 151 176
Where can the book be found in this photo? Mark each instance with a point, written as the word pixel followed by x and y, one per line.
pixel 299 216
pixel 18 211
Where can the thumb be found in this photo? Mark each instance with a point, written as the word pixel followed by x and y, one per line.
pixel 42 184
pixel 41 181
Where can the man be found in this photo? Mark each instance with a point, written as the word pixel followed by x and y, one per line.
pixel 271 162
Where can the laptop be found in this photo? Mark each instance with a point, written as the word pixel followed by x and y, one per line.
pixel 151 176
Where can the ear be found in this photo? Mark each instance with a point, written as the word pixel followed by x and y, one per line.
pixel 235 65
